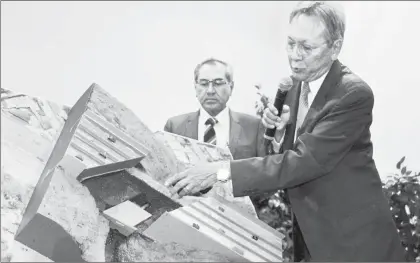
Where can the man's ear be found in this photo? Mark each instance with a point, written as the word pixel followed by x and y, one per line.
pixel 232 84
pixel 336 46
pixel 195 89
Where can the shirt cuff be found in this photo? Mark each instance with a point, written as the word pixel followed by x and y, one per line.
pixel 277 145
pixel 226 168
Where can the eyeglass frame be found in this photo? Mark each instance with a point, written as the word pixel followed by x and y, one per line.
pixel 301 47
pixel 213 83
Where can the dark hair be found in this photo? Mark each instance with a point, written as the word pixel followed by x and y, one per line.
pixel 213 61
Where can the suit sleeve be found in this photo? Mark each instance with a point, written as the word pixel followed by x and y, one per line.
pixel 260 141
pixel 168 126
pixel 314 154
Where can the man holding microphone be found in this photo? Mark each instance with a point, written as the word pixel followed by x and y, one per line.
pixel 324 159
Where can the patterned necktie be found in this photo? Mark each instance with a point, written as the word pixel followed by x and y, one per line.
pixel 210 133
pixel 303 105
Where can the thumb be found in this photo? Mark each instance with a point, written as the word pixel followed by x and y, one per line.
pixel 286 109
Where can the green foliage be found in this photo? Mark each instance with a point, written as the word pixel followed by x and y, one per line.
pixel 261 104
pixel 403 192
pixel 275 211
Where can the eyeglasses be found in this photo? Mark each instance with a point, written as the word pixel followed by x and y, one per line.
pixel 215 82
pixel 303 49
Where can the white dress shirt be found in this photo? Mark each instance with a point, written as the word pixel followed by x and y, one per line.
pixel 314 87
pixel 221 128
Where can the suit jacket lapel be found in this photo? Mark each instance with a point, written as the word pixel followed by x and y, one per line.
pixel 235 132
pixel 321 97
pixel 191 126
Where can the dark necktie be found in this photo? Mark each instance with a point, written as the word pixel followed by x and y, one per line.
pixel 210 133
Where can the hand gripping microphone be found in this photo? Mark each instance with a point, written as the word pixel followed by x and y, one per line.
pixel 284 86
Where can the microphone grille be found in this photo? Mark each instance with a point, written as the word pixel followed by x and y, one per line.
pixel 286 84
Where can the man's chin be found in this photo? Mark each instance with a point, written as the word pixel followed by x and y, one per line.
pixel 211 107
pixel 212 103
pixel 299 76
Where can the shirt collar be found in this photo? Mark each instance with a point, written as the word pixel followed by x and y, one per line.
pixel 222 117
pixel 315 85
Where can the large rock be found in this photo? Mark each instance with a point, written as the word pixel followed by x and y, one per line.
pixel 42 116
pixel 67 202
pixel 161 160
pixel 32 127
pixel 138 248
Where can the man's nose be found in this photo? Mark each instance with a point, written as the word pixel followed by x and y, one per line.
pixel 211 89
pixel 295 53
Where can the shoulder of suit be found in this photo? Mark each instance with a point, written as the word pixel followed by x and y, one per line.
pixel 351 82
pixel 244 117
pixel 182 117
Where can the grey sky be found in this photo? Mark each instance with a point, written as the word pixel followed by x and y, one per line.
pixel 144 54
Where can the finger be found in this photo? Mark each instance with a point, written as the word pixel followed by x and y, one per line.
pixel 268 126
pixel 199 184
pixel 175 196
pixel 180 185
pixel 272 109
pixel 208 182
pixel 274 119
pixel 197 191
pixel 189 189
pixel 284 119
pixel 270 117
pixel 175 178
pixel 183 192
pixel 286 109
pixel 267 123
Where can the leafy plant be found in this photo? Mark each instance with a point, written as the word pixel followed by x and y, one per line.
pixel 275 210
pixel 263 101
pixel 403 192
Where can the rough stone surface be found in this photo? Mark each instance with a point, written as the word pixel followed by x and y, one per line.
pixel 70 204
pixel 67 201
pixel 169 153
pixel 161 161
pixel 30 127
pixel 14 196
pixel 138 248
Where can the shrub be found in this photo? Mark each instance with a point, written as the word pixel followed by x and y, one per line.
pixel 403 192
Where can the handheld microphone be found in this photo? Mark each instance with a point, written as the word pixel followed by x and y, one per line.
pixel 284 86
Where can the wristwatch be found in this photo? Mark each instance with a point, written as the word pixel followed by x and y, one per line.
pixel 223 174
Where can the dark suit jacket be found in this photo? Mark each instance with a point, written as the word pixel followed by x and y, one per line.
pixel 330 175
pixel 246 132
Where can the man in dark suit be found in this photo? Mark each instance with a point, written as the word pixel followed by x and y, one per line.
pixel 214 122
pixel 325 161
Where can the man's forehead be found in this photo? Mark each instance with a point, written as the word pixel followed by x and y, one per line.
pixel 306 28
pixel 212 71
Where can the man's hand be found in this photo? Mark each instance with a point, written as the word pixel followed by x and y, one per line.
pixel 270 119
pixel 193 180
